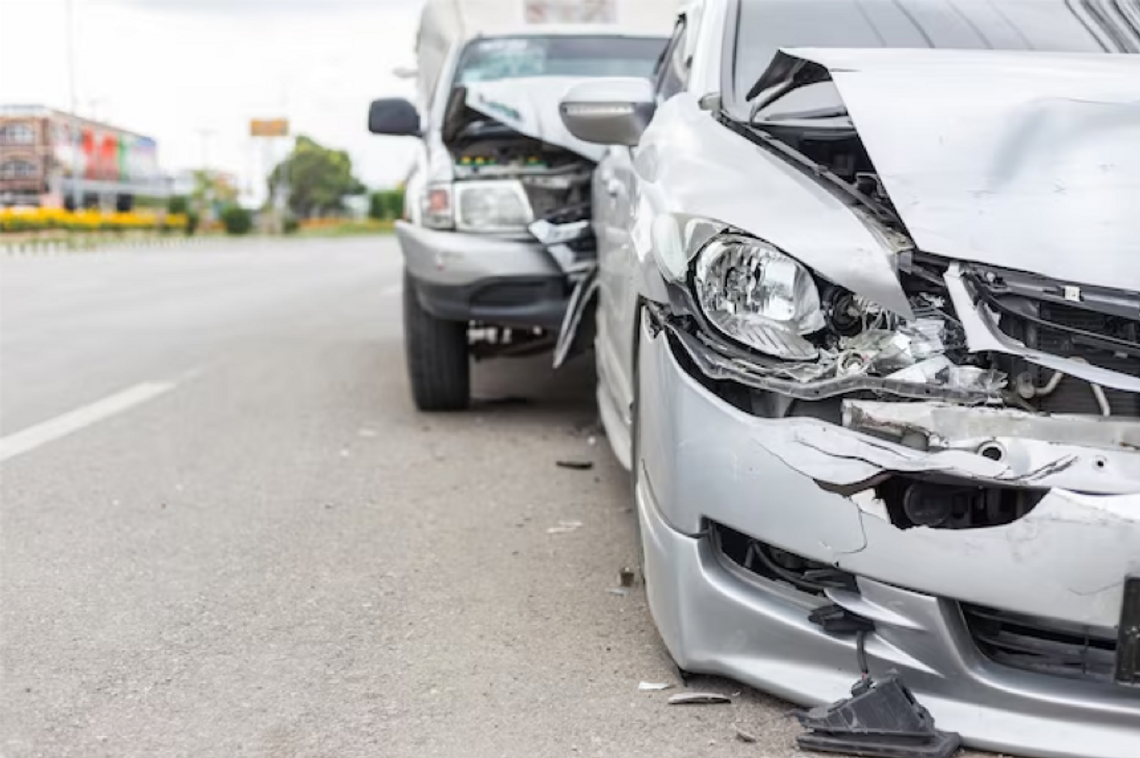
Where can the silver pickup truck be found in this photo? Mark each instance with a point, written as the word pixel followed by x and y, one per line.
pixel 497 238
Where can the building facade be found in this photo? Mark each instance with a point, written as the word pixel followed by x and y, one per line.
pixel 50 159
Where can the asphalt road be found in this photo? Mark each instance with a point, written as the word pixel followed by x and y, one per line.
pixel 226 532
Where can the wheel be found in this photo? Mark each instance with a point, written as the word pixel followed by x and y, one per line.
pixel 437 355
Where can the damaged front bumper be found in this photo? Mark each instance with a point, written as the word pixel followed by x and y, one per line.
pixel 984 621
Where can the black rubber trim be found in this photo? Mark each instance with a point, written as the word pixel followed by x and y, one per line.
pixel 541 301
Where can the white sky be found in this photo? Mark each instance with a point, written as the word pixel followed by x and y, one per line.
pixel 173 68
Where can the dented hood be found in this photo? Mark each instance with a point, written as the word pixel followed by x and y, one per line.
pixel 530 107
pixel 1029 161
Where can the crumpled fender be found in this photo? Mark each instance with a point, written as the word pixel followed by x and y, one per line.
pixel 717 174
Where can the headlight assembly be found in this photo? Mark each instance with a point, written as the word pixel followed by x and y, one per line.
pixel 491 206
pixel 758 296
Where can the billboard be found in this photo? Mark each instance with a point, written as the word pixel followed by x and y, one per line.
pixel 105 154
pixel 269 127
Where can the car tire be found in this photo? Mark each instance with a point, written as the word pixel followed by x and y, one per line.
pixel 437 354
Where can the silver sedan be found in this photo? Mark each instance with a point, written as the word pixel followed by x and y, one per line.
pixel 868 336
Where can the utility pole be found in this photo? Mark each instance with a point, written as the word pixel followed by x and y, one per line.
pixel 76 197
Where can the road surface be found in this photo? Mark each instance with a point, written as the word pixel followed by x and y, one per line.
pixel 226 533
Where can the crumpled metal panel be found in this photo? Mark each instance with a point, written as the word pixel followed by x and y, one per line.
pixel 1030 162
pixel 689 164
pixel 529 105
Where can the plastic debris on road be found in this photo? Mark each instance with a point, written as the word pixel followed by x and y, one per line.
pixel 699 698
pixel 575 465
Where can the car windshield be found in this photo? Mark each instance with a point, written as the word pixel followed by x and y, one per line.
pixel 515 57
pixel 1051 25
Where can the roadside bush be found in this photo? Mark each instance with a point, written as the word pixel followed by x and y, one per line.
pixel 290 225
pixel 178 204
pixel 386 205
pixel 87 220
pixel 236 220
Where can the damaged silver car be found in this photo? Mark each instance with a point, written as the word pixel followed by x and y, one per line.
pixel 868 338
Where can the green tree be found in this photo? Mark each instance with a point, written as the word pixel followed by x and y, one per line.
pixel 386 205
pixel 317 179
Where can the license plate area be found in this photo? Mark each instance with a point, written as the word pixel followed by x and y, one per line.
pixel 1128 636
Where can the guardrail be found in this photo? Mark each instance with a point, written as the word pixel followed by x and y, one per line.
pixel 62 246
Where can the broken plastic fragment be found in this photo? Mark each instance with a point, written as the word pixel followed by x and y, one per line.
pixel 653 686
pixel 974 378
pixel 744 736
pixel 575 465
pixel 564 527
pixel 698 698
pixel 879 720
pixel 883 351
pixel 923 372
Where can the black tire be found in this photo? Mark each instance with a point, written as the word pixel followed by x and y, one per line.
pixel 436 351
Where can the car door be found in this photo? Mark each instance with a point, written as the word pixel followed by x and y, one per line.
pixel 616 196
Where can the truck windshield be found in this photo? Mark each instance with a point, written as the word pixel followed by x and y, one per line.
pixel 1050 25
pixel 515 57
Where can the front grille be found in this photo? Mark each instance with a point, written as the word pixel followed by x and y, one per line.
pixel 778 565
pixel 1095 325
pixel 1073 395
pixel 1042 645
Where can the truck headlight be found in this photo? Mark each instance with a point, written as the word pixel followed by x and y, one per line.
pixel 436 209
pixel 491 206
pixel 758 296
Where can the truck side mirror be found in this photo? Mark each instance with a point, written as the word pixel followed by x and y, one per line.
pixel 393 116
pixel 610 111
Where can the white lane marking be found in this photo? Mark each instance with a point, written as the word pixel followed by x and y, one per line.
pixel 392 289
pixel 72 421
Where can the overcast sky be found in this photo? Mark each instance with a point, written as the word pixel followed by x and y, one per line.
pixel 191 73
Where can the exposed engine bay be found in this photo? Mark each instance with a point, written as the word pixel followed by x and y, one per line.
pixel 864 347
pixel 556 180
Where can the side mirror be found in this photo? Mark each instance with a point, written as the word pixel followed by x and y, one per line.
pixel 608 111
pixel 393 116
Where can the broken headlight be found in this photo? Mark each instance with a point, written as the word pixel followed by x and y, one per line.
pixel 758 296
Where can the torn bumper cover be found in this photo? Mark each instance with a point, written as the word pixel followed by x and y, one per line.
pixel 1006 630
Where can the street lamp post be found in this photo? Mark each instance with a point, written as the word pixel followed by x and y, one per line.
pixel 76 198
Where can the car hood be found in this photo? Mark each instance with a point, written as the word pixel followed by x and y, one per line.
pixel 1028 161
pixel 530 107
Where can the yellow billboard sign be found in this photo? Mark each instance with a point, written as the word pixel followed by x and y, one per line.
pixel 269 127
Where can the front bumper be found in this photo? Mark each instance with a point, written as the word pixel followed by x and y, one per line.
pixel 480 277
pixel 703 461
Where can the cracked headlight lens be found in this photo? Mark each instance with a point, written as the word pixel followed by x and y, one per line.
pixel 758 296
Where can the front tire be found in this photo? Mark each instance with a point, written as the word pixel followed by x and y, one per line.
pixel 436 351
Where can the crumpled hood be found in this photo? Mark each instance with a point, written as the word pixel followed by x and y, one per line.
pixel 530 106
pixel 1028 161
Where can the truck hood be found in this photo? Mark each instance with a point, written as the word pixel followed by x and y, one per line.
pixel 530 107
pixel 1028 161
